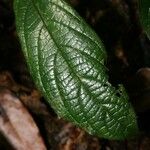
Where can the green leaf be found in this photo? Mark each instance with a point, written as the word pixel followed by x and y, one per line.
pixel 144 6
pixel 66 60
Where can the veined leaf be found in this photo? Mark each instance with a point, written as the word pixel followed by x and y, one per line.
pixel 144 6
pixel 66 60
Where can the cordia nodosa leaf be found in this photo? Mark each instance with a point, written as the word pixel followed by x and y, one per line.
pixel 144 6
pixel 66 61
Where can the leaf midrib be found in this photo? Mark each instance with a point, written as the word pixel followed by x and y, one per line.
pixel 78 77
pixel 72 116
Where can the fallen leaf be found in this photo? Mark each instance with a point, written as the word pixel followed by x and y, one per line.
pixel 17 125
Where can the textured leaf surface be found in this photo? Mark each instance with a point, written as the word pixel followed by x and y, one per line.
pixel 144 6
pixel 66 60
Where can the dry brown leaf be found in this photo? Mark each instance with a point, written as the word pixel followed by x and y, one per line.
pixel 17 125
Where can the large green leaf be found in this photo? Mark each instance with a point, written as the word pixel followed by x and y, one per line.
pixel 66 60
pixel 144 6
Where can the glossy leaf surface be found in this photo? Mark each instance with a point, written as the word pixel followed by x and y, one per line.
pixel 144 6
pixel 66 60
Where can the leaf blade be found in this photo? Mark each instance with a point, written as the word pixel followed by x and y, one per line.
pixel 66 60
